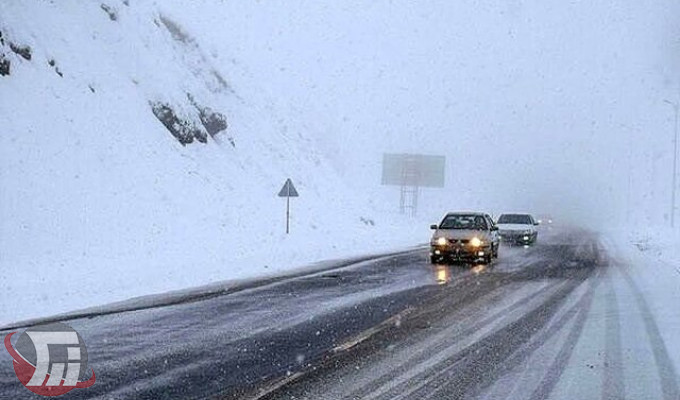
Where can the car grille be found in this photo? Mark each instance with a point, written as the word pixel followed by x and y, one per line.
pixel 512 233
pixel 459 241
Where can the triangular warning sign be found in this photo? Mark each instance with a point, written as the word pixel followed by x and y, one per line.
pixel 288 190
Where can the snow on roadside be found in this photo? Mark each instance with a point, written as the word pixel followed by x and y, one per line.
pixel 652 258
pixel 662 244
pixel 132 278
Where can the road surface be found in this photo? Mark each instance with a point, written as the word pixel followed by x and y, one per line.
pixel 560 320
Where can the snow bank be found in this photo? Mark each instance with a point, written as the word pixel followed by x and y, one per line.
pixel 662 243
pixel 652 257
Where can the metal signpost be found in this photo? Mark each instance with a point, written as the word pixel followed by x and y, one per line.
pixel 288 191
pixel 676 108
pixel 411 172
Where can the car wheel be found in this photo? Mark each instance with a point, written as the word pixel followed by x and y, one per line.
pixel 433 260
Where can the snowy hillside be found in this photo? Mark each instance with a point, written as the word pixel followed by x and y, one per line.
pixel 132 161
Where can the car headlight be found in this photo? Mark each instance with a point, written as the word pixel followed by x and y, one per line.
pixel 475 242
pixel 441 241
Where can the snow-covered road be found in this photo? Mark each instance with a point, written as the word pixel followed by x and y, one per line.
pixel 576 316
pixel 580 316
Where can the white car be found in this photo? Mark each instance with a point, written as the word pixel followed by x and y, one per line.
pixel 517 229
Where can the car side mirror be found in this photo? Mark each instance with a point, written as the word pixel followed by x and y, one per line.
pixel 494 228
pixel 537 223
pixel 433 226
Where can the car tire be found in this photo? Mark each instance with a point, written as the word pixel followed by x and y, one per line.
pixel 488 258
pixel 433 260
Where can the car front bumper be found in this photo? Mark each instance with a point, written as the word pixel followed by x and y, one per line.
pixel 517 238
pixel 459 252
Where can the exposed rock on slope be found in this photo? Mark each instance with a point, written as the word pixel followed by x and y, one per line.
pixel 184 130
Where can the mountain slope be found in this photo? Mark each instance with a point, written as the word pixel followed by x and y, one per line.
pixel 100 201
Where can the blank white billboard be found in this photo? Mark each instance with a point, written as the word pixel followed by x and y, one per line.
pixel 413 170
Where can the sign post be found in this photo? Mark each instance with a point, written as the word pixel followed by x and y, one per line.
pixel 288 191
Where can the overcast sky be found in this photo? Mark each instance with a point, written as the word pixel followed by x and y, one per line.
pixel 536 104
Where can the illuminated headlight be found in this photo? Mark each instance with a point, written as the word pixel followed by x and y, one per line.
pixel 526 238
pixel 441 241
pixel 475 242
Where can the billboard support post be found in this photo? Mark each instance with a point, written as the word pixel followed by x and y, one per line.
pixel 411 172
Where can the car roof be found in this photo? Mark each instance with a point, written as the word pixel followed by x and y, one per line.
pixel 466 213
pixel 515 213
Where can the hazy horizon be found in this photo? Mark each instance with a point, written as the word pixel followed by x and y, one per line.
pixel 545 106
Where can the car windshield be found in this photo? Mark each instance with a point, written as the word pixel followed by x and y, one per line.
pixel 521 219
pixel 463 222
